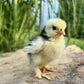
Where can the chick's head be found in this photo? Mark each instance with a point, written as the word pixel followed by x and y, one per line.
pixel 55 27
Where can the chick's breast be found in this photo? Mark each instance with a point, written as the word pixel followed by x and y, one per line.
pixel 52 49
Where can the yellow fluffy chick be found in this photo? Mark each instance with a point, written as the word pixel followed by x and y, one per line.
pixel 47 46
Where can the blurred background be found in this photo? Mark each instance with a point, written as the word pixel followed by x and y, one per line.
pixel 20 20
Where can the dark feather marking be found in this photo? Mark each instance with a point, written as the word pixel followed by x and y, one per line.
pixel 29 53
pixel 30 58
pixel 29 44
pixel 43 34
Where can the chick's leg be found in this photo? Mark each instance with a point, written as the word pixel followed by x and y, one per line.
pixel 48 68
pixel 38 72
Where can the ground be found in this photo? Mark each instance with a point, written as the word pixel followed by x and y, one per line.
pixel 15 68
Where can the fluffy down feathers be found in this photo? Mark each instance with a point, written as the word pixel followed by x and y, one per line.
pixel 47 46
pixel 34 46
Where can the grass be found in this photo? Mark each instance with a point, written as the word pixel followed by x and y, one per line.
pixel 17 18
pixel 77 42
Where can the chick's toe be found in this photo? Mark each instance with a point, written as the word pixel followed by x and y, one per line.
pixel 47 68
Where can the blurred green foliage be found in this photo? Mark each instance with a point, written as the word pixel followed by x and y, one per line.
pixel 18 18
pixel 75 41
pixel 72 11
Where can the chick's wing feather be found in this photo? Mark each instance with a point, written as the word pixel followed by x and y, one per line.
pixel 34 46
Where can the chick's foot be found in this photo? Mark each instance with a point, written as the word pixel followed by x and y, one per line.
pixel 45 76
pixel 47 68
pixel 39 74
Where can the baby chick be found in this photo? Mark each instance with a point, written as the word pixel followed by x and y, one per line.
pixel 47 46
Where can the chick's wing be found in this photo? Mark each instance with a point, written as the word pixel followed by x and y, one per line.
pixel 34 46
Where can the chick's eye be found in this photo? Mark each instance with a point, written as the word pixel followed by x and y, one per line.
pixel 54 28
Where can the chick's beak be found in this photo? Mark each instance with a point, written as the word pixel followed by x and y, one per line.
pixel 61 32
